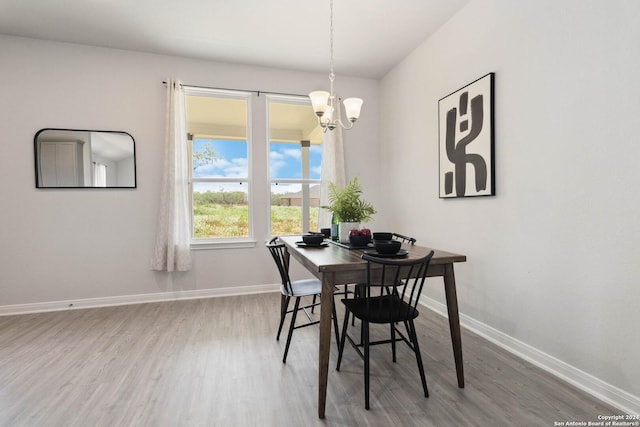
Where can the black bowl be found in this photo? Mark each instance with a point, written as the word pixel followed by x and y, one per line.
pixel 312 239
pixel 359 241
pixel 387 247
pixel 382 236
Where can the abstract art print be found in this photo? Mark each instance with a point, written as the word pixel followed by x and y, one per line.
pixel 465 140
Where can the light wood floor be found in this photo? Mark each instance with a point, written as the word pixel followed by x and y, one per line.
pixel 215 362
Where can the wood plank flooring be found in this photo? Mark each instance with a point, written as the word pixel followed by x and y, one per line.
pixel 215 362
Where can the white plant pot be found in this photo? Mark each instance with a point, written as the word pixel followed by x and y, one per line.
pixel 345 228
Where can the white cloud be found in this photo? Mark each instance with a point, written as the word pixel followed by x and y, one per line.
pixel 237 168
pixel 276 162
pixel 220 168
pixel 292 152
pixel 286 188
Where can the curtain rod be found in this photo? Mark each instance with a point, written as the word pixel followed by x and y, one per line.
pixel 258 92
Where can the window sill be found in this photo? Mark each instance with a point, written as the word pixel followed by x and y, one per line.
pixel 223 244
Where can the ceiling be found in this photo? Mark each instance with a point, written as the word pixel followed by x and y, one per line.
pixel 370 37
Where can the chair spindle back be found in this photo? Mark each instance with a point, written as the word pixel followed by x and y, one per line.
pixel 281 258
pixel 403 278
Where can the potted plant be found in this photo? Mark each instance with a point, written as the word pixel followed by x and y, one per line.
pixel 348 207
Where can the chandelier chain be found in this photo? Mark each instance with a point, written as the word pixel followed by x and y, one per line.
pixel 331 36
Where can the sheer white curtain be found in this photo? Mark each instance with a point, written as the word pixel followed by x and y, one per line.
pixel 172 252
pixel 332 168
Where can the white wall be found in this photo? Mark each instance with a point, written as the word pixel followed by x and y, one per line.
pixel 60 245
pixel 552 258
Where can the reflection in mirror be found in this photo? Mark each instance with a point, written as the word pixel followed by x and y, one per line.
pixel 68 158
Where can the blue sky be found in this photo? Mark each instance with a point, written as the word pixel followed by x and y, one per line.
pixel 231 159
pixel 285 161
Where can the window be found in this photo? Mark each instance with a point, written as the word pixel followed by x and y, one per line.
pixel 233 174
pixel 217 127
pixel 295 158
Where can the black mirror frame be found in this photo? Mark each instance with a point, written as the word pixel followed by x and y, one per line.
pixel 36 165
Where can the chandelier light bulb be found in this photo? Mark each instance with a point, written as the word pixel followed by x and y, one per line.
pixel 319 101
pixel 352 108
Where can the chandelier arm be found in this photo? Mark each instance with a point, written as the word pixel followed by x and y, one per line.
pixel 342 125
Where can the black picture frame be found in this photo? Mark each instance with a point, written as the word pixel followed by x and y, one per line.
pixel 466 140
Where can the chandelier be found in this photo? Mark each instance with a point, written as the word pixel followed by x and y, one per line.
pixel 324 103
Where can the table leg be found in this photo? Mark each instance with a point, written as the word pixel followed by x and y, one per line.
pixel 326 308
pixel 454 320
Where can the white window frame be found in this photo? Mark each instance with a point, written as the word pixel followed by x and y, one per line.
pixel 306 182
pixel 226 242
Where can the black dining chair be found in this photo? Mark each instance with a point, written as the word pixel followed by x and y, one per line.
pixel 396 236
pixel 404 239
pixel 295 289
pixel 391 295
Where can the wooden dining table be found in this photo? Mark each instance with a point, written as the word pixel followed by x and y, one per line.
pixel 336 265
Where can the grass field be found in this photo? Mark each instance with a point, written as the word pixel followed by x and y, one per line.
pixel 217 220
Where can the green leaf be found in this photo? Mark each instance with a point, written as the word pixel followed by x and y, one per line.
pixel 346 203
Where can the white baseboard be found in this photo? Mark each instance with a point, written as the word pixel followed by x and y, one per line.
pixel 606 392
pixel 6 310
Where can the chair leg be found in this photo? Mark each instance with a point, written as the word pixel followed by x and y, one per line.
pixel 366 364
pixel 335 323
pixel 313 303
pixel 393 341
pixel 283 314
pixel 291 327
pixel 416 348
pixel 357 291
pixel 343 338
pixel 406 326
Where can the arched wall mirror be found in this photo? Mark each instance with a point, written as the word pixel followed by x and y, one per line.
pixel 71 158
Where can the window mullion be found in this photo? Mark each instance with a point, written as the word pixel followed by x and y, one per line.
pixel 305 187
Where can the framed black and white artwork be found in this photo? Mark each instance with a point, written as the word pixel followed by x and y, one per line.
pixel 466 140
